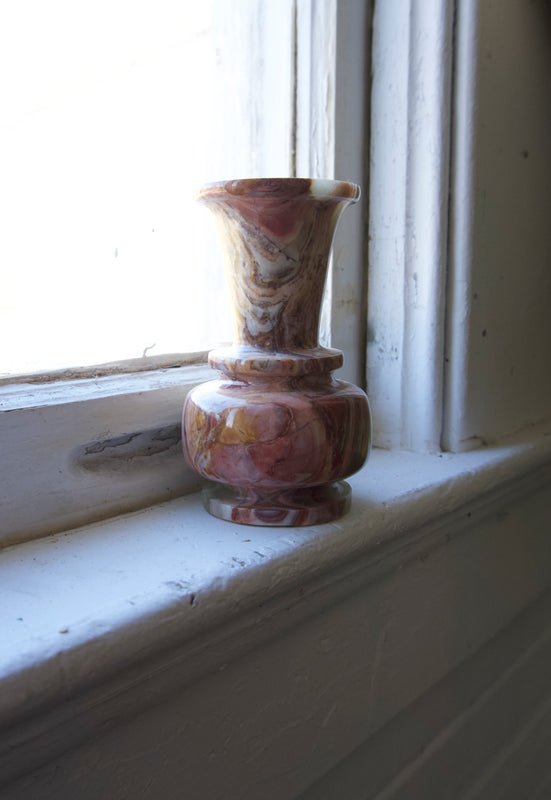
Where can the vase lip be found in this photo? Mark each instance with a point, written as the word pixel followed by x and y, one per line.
pixel 281 189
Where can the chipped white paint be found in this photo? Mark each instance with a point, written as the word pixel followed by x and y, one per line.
pixel 256 650
pixel 408 220
pixel 99 581
pixel 495 278
pixel 44 428
pixel 426 223
pixel 349 267
pixel 332 69
pixel 388 170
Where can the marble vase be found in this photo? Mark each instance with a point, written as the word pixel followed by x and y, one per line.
pixel 277 433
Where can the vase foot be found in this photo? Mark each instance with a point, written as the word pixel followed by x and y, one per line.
pixel 311 505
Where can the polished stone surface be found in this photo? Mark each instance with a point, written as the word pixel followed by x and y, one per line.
pixel 277 435
pixel 312 505
pixel 277 430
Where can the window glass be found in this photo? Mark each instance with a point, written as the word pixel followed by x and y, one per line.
pixel 113 113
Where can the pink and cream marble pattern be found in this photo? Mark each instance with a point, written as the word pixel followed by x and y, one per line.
pixel 277 432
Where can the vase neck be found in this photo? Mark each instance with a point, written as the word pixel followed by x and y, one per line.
pixel 277 237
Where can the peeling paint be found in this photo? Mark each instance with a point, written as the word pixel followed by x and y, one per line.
pixel 129 451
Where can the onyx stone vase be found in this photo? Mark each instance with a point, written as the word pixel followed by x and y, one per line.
pixel 277 433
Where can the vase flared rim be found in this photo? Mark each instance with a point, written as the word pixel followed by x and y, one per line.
pixel 282 188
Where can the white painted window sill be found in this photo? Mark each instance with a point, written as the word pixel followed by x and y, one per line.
pixel 81 606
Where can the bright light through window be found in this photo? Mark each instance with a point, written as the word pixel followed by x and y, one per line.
pixel 112 114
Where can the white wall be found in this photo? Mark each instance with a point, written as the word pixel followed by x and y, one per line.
pixel 499 327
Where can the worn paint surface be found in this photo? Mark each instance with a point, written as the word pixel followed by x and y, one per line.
pixel 169 649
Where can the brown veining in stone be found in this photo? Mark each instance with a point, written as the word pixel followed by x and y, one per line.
pixel 277 236
pixel 277 431
pixel 272 437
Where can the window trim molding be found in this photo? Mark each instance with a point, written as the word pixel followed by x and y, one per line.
pixel 332 107
pixel 410 149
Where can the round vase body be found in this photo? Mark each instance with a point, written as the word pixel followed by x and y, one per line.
pixel 277 433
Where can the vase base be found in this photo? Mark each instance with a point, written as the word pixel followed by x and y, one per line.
pixel 311 505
